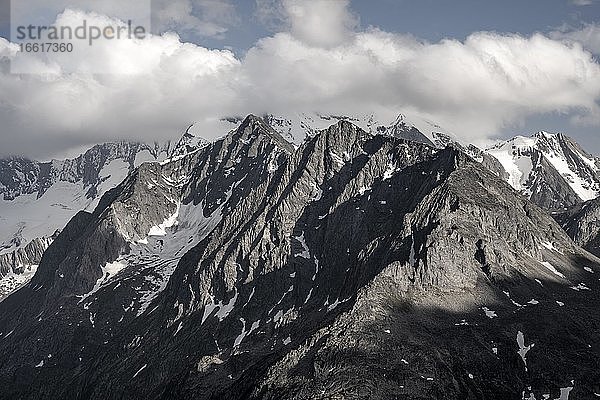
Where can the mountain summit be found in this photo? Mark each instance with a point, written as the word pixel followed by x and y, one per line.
pixel 550 168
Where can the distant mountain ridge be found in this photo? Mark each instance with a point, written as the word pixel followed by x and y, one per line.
pixel 297 127
pixel 38 198
pixel 549 168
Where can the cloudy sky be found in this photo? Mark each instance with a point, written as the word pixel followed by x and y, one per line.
pixel 483 70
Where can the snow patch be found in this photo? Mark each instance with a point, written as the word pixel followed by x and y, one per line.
pixel 489 313
pixel 517 166
pixel 161 229
pixel 108 271
pixel 507 294
pixel 139 370
pixel 579 287
pixel 550 246
pixel 223 310
pixel 305 253
pixel 564 393
pixel 552 269
pixel 523 350
pixel 238 340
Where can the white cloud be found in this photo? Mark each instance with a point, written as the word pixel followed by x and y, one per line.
pixel 323 23
pixel 582 2
pixel 166 85
pixel 209 18
pixel 473 88
pixel 270 13
pixel 588 35
pixel 320 22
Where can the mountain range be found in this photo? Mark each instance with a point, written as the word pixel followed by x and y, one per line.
pixel 37 199
pixel 302 258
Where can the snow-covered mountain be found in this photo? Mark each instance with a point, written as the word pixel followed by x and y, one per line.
pixel 37 199
pixel 296 127
pixel 352 266
pixel 550 168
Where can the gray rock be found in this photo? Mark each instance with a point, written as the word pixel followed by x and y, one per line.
pixel 582 224
pixel 355 266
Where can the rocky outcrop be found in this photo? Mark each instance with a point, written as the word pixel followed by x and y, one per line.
pixel 582 224
pixel 18 266
pixel 31 254
pixel 355 266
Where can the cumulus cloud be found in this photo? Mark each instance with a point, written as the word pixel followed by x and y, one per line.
pixel 588 35
pixel 473 88
pixel 322 23
pixel 209 18
pixel 148 89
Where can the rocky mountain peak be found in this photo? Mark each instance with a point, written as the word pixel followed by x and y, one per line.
pixel 550 168
pixel 546 135
pixel 253 130
pixel 404 129
pixel 581 222
pixel 188 143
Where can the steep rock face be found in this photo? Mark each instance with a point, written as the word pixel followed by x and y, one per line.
pixel 17 176
pixel 344 268
pixel 488 161
pixel 449 322
pixel 299 127
pixel 38 198
pixel 17 267
pixel 582 224
pixel 24 256
pixel 20 176
pixel 551 169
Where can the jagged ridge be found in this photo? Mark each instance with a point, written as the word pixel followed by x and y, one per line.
pixel 283 272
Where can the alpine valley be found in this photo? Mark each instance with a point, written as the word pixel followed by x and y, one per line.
pixel 303 257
